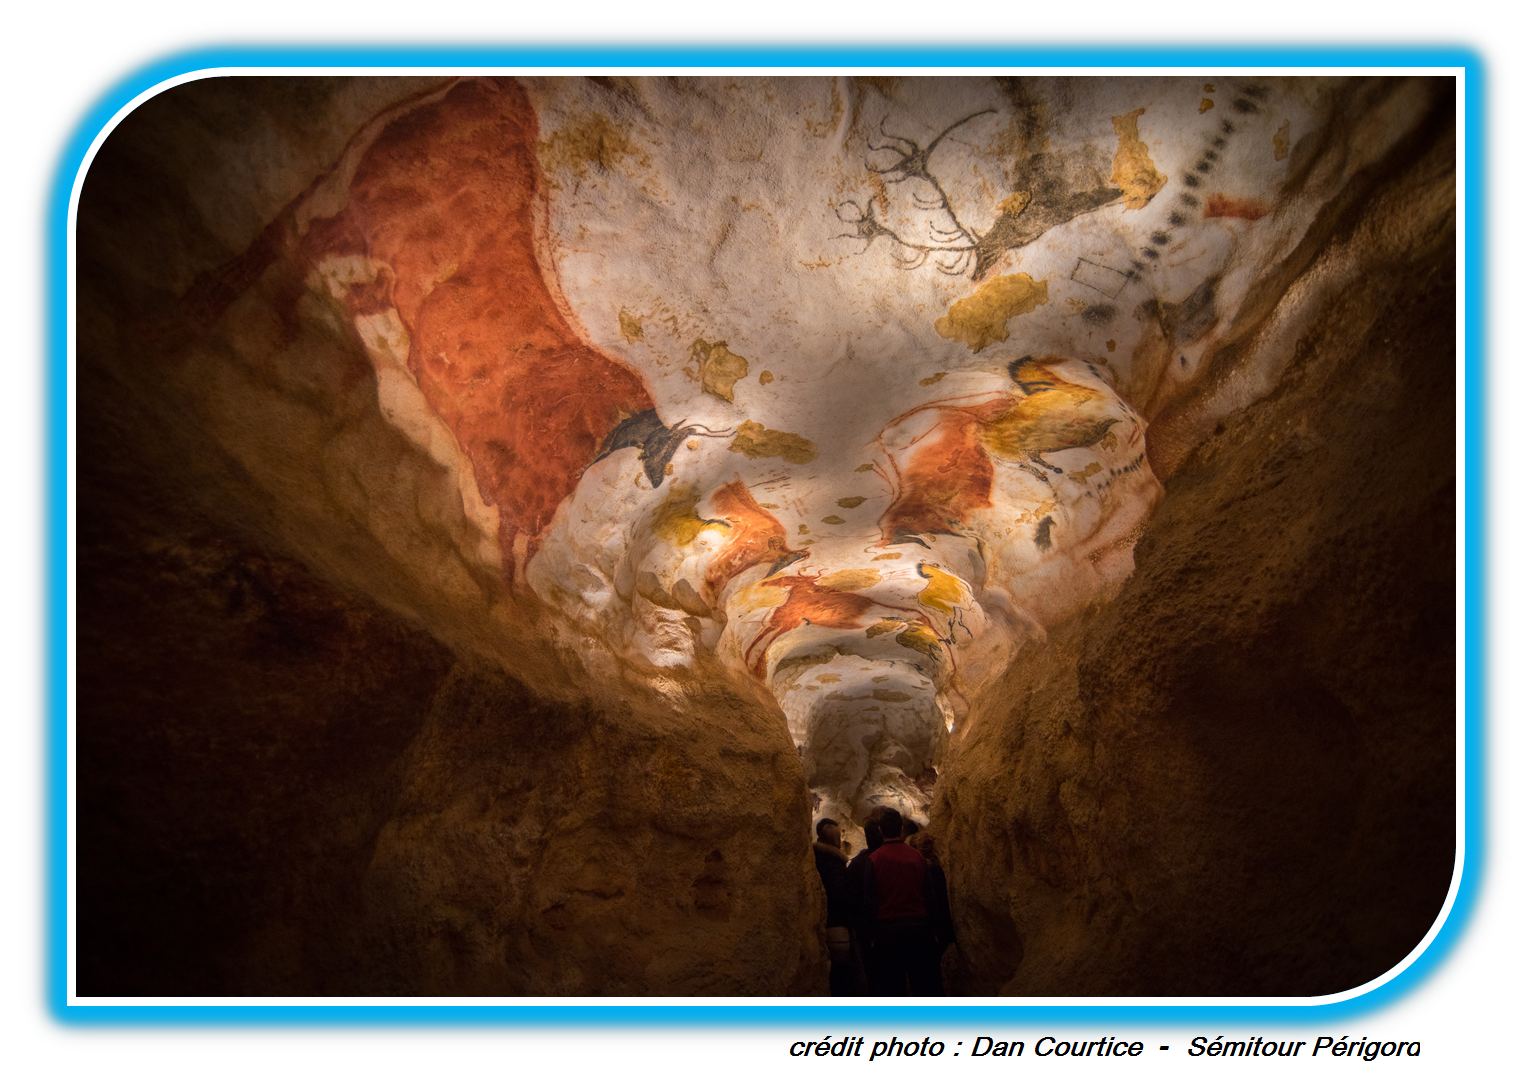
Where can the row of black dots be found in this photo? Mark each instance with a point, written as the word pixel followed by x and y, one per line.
pixel 1195 176
pixel 1132 467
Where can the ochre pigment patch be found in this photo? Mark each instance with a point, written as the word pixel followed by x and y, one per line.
pixel 1132 171
pixel 718 367
pixel 850 502
pixel 921 638
pixel 1015 204
pixel 806 603
pixel 755 537
pixel 851 580
pixel 632 327
pixel 940 487
pixel 757 441
pixel 1205 105
pixel 944 592
pixel 528 400
pixel 981 318
pixel 677 522
pixel 1280 141
pixel 593 143
pixel 1238 208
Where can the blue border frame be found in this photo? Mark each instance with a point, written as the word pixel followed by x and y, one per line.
pixel 556 57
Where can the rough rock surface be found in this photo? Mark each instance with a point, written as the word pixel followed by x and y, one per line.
pixel 503 501
pixel 290 791
pixel 1238 776
pixel 303 765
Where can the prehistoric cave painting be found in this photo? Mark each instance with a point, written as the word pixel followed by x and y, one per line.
pixel 944 593
pixel 984 316
pixel 418 235
pixel 1193 196
pixel 915 634
pixel 1099 277
pixel 942 482
pixel 945 473
pixel 811 603
pixel 1054 415
pixel 1046 191
pixel 955 247
pixel 657 442
pixel 755 537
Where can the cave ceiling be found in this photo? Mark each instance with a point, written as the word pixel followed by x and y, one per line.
pixel 840 392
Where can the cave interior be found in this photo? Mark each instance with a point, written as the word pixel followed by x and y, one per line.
pixel 511 511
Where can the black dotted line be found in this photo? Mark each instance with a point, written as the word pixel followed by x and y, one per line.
pixel 1246 104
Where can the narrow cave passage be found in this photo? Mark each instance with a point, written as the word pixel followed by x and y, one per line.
pixel 513 511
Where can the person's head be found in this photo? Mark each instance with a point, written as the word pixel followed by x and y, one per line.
pixel 911 829
pixel 891 824
pixel 870 829
pixel 828 832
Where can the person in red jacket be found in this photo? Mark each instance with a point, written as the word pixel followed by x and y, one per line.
pixel 903 943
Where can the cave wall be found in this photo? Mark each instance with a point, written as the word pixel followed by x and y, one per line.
pixel 1238 777
pixel 366 709
pixel 303 765
pixel 286 789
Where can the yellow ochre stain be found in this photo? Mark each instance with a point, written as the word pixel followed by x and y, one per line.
pixel 943 591
pixel 677 521
pixel 851 502
pixel 1279 140
pixel 887 555
pixel 766 376
pixel 927 382
pixel 719 367
pixel 757 441
pixel 760 597
pixel 594 143
pixel 824 128
pixel 1082 474
pixel 882 626
pixel 1204 105
pixel 921 638
pixel 892 696
pixel 1132 171
pixel 833 519
pixel 1015 204
pixel 851 580
pixel 631 326
pixel 865 467
pixel 1042 510
pixel 981 318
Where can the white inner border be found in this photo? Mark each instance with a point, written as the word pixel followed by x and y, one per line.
pixel 820 1001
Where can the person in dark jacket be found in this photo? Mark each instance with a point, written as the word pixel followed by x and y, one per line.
pixel 938 904
pixel 904 958
pixel 830 859
pixel 861 913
